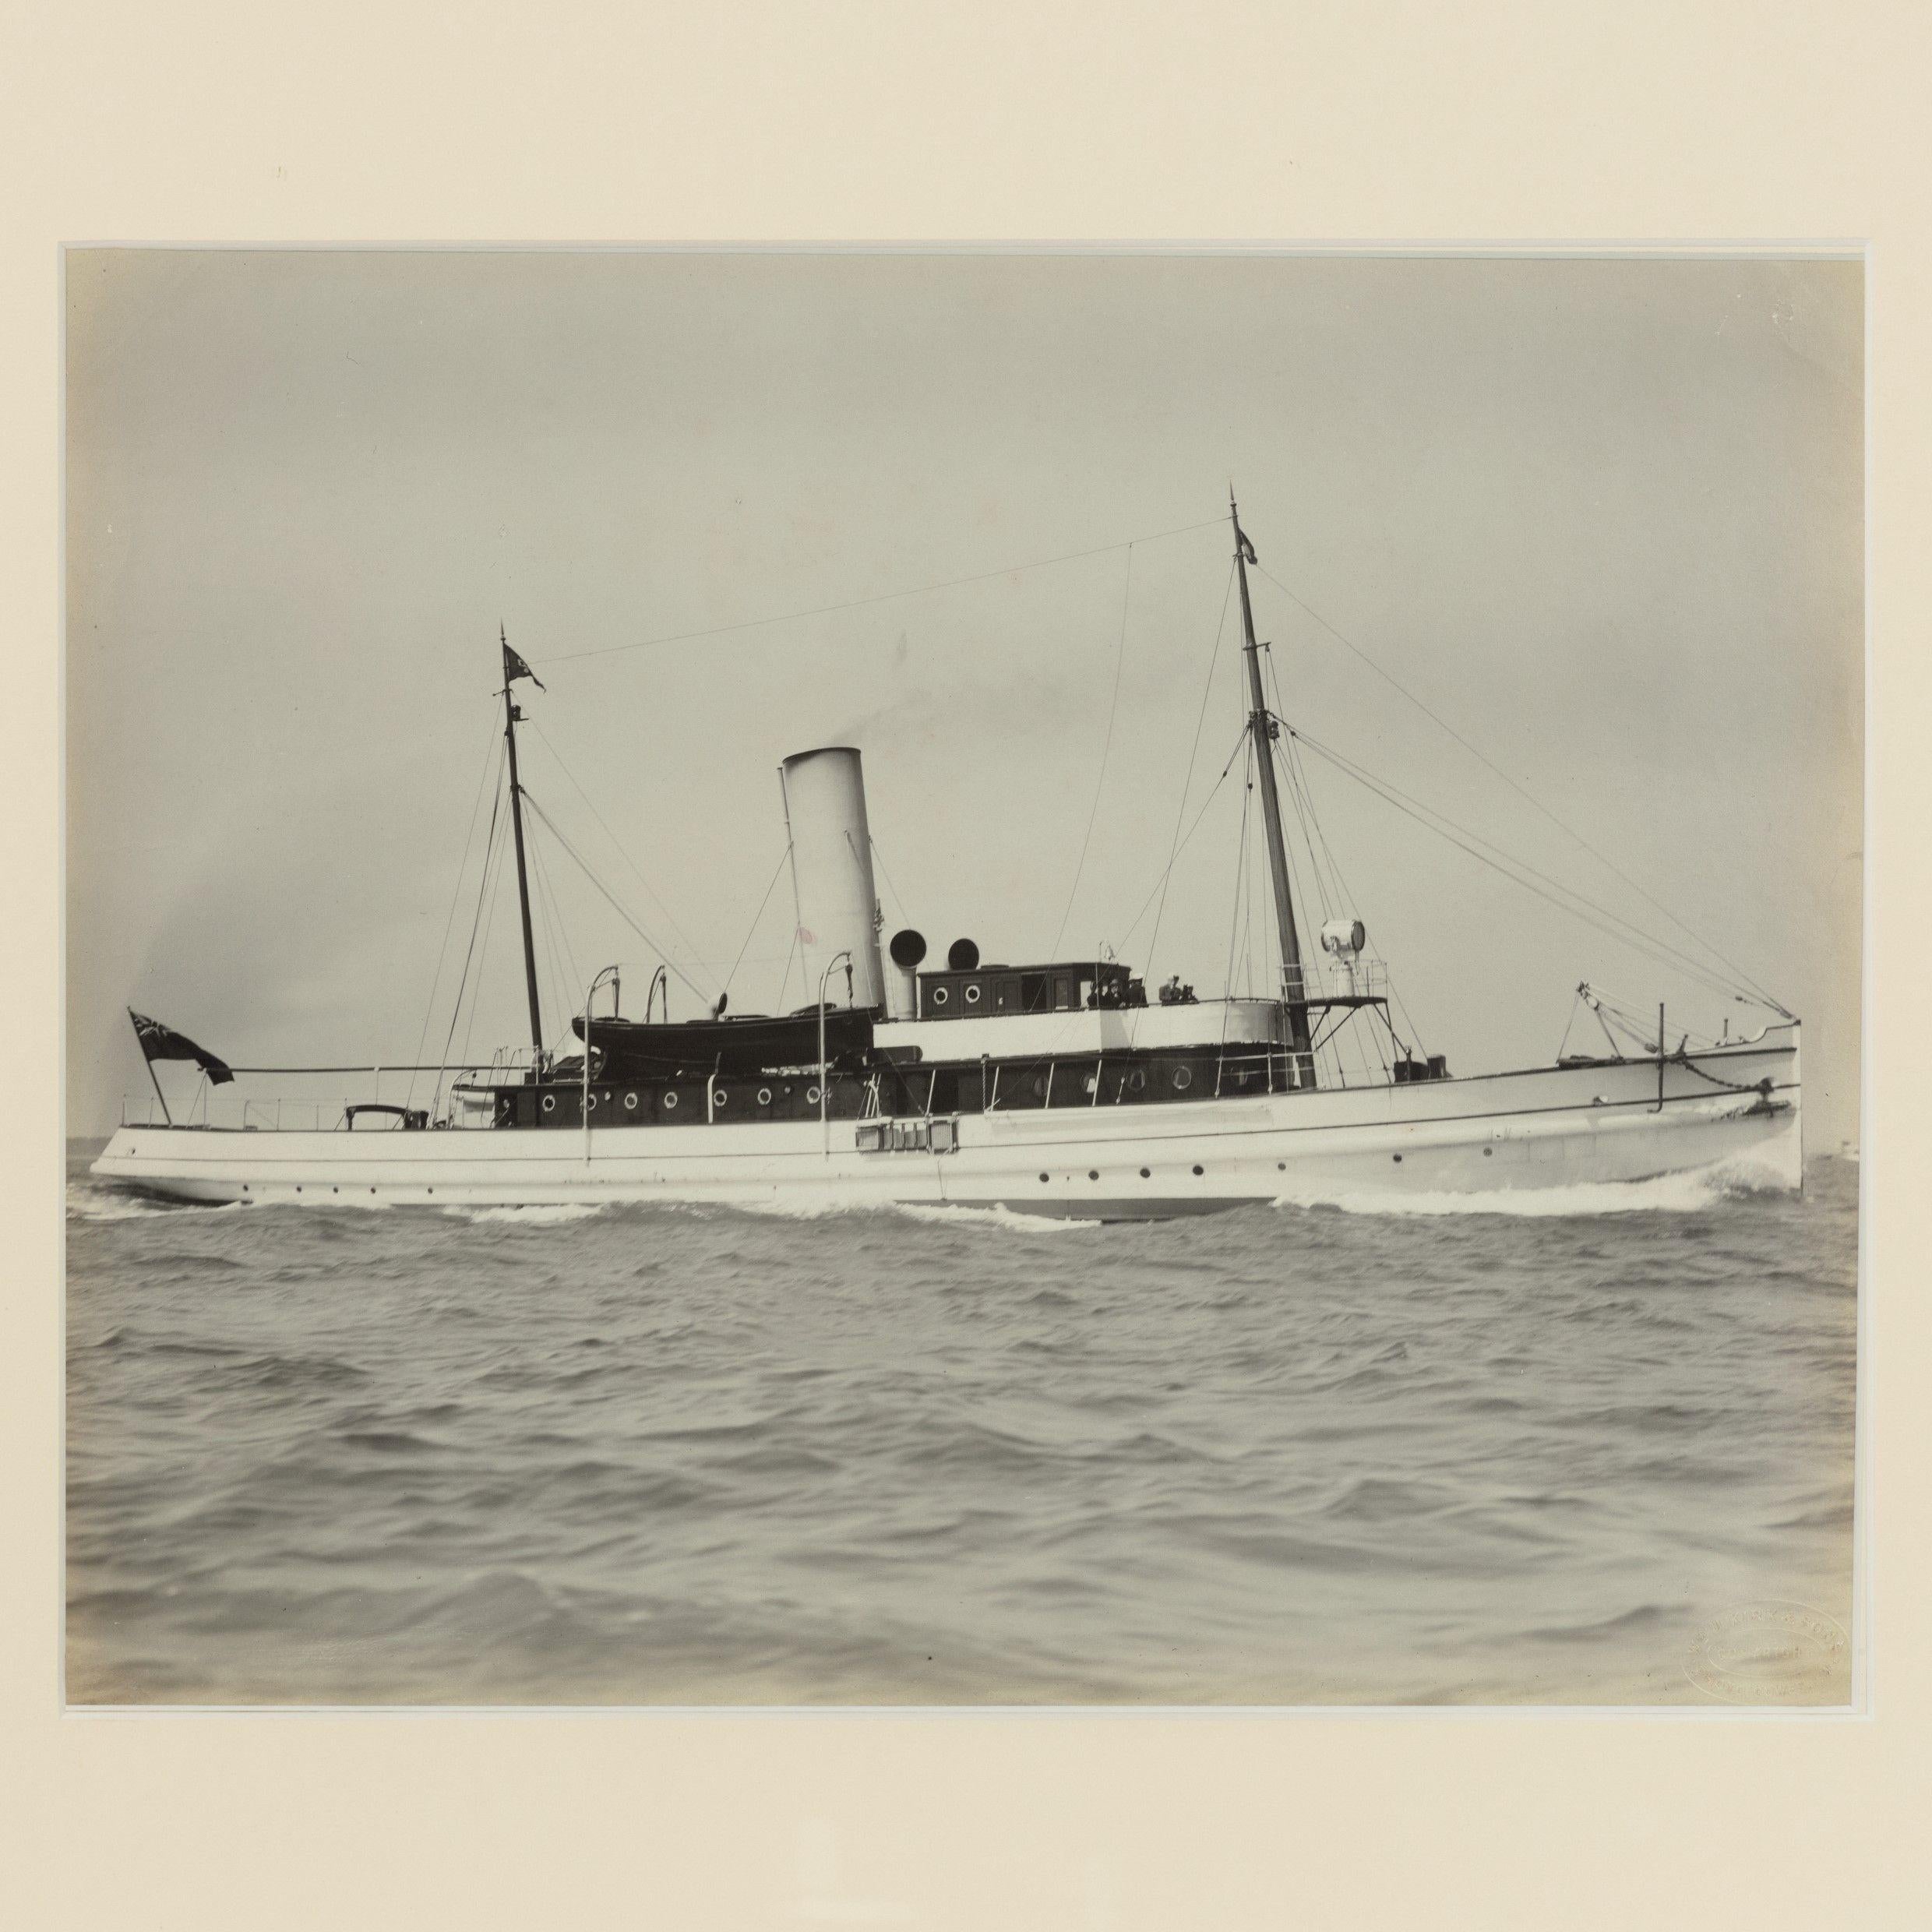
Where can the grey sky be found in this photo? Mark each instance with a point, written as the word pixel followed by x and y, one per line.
pixel 1605 518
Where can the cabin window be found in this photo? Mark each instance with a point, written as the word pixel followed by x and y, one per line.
pixel 630 1103
pixel 939 996
pixel 1183 1079
pixel 1033 993
pixel 972 995
pixel 671 1103
pixel 764 1096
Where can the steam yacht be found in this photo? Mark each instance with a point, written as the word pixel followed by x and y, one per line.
pixel 1049 1086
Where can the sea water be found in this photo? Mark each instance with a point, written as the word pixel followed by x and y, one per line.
pixel 1580 1450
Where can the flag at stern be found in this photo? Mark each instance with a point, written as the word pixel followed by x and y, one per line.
pixel 159 1042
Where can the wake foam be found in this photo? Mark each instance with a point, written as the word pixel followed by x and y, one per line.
pixel 1010 1218
pixel 89 1200
pixel 534 1216
pixel 1690 1192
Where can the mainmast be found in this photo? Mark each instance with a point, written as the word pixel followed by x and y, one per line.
pixel 513 669
pixel 1294 988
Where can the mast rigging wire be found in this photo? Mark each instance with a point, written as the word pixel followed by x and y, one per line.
pixel 456 890
pixel 1740 979
pixel 881 596
pixel 483 953
pixel 1606 921
pixel 752 930
pixel 482 886
pixel 617 845
pixel 1187 782
pixel 1113 705
pixel 583 865
pixel 1133 925
pixel 898 897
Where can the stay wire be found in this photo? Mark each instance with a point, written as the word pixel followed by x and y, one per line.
pixel 483 952
pixel 610 898
pixel 1608 923
pixel 617 846
pixel 1119 664
pixel 1564 898
pixel 1214 792
pixel 1240 880
pixel 891 886
pixel 1319 846
pixel 752 930
pixel 556 937
pixel 1741 979
pixel 1187 783
pixel 456 890
pixel 1346 897
pixel 881 597
pixel 482 892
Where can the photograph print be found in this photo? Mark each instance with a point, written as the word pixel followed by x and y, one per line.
pixel 974 978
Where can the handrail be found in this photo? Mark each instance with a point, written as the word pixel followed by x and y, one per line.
pixel 825 1085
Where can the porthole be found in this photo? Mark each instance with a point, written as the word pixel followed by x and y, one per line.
pixel 764 1096
pixel 630 1103
pixel 1093 1173
pixel 720 1097
pixel 1039 1086
pixel 812 1096
pixel 1137 1079
pixel 1398 1160
pixel 940 996
pixel 972 995
pixel 1042 1180
pixel 1146 1173
pixel 590 1103
pixel 550 1103
pixel 1183 1079
pixel 1488 1153
pixel 1199 1170
pixel 671 1103
pixel 298 1188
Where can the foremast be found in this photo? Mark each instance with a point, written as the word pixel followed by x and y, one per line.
pixel 1263 726
pixel 513 669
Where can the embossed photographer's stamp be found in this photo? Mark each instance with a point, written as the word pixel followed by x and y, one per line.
pixel 1772 1653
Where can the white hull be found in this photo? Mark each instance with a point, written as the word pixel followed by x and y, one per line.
pixel 1546 1127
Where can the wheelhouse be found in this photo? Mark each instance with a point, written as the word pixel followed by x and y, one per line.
pixel 1059 986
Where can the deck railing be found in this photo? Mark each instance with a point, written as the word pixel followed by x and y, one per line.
pixel 428 1087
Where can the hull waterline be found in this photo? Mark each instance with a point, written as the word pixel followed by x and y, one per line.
pixel 1540 1129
